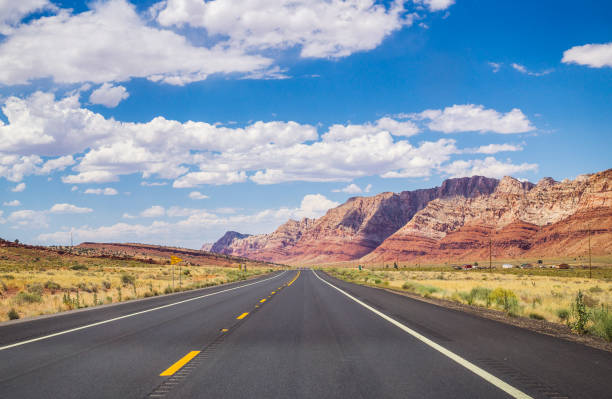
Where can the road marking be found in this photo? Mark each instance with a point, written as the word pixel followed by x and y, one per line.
pixel 263 300
pixel 509 389
pixel 177 366
pixel 99 323
pixel 273 292
pixel 224 330
pixel 242 316
pixel 295 278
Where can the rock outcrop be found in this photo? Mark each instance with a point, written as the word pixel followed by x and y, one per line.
pixel 456 220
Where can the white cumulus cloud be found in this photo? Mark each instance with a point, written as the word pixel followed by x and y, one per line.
pixel 320 28
pixel 196 195
pixel 108 95
pixel 592 55
pixel 475 118
pixel 68 208
pixel 489 167
pixel 436 5
pixel 12 203
pixel 13 11
pixel 110 43
pixel 19 188
pixel 102 191
pixel 153 212
pixel 350 189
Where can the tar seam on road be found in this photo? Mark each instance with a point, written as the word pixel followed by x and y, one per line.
pixel 509 389
pixel 130 315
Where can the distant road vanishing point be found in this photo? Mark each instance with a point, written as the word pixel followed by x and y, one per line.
pixel 291 334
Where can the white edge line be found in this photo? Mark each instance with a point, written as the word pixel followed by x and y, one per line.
pixel 130 315
pixel 509 389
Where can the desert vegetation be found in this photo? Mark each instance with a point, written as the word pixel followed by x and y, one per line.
pixel 565 297
pixel 38 281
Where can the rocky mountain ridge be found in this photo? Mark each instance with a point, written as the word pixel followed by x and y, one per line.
pixel 453 220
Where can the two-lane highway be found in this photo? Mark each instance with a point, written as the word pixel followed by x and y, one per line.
pixel 296 334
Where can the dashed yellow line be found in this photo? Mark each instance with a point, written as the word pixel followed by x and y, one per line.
pixel 263 300
pixel 295 278
pixel 273 292
pixel 177 366
pixel 242 316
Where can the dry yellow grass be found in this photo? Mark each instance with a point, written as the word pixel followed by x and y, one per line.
pixel 36 283
pixel 537 295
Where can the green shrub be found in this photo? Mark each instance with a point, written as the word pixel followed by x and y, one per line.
pixel 53 286
pixel 106 285
pixel 602 323
pixel 35 289
pixel 168 290
pixel 467 297
pixel 580 314
pixel 595 290
pixel 482 294
pixel 26 297
pixel 536 316
pixel 127 279
pixel 377 281
pixel 563 315
pixel 506 299
pixel 12 314
pixel 79 267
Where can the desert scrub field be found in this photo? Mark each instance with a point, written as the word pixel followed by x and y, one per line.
pixel 583 304
pixel 36 283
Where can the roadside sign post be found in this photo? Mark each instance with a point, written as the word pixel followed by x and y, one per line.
pixel 173 261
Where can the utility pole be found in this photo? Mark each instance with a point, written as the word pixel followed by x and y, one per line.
pixel 180 277
pixel 490 254
pixel 172 278
pixel 590 265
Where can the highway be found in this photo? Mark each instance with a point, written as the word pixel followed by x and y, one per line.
pixel 292 334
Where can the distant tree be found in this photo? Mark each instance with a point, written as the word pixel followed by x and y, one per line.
pixel 475 263
pixel 539 261
pixel 395 265
pixel 16 241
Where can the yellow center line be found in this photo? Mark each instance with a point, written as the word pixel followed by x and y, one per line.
pixel 295 278
pixel 273 292
pixel 242 316
pixel 263 300
pixel 177 366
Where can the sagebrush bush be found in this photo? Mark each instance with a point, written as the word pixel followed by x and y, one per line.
pixel 536 316
pixel 506 299
pixel 127 279
pixel 12 314
pixel 563 315
pixel 26 297
pixel 51 285
pixel 35 289
pixel 79 267
pixel 602 323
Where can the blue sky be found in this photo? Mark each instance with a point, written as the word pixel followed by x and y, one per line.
pixel 172 122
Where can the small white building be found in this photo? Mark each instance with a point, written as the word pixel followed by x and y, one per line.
pixel 507 266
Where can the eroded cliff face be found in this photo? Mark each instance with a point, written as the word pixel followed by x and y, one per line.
pixel 519 219
pixel 454 220
pixel 352 229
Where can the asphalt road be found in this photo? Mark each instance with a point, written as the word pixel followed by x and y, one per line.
pixel 290 335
